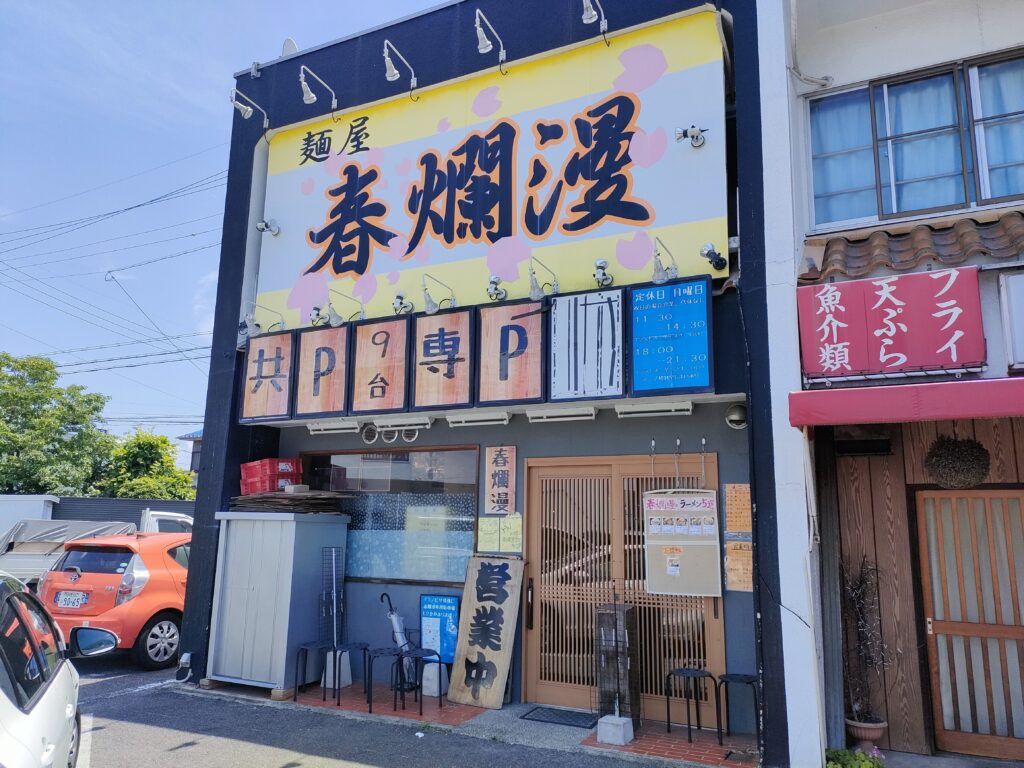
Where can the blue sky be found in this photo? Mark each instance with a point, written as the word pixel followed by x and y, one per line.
pixel 104 106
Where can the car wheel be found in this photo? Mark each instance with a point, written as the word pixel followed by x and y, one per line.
pixel 159 641
pixel 76 738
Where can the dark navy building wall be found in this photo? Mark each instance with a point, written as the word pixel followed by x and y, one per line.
pixel 442 46
pixel 118 510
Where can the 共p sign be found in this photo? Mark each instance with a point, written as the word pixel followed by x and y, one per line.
pixel 480 174
pixel 924 321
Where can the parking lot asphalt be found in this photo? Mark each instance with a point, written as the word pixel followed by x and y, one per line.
pixel 132 718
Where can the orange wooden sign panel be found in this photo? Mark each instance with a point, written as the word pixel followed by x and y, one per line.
pixel 379 363
pixel 268 378
pixel 321 372
pixel 511 352
pixel 442 354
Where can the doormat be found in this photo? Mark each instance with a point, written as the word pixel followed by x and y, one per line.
pixel 571 717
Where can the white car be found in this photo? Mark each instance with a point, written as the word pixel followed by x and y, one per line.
pixel 39 721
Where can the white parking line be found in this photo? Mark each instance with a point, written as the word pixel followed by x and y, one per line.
pixel 85 742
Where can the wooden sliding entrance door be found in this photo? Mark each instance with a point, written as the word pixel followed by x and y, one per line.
pixel 584 542
pixel 972 552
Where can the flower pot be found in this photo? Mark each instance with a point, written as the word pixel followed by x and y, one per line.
pixel 865 734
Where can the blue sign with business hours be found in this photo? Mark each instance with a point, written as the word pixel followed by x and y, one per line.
pixel 670 328
pixel 439 624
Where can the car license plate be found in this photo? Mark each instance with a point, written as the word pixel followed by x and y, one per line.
pixel 70 599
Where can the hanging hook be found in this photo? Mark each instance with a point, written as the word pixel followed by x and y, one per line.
pixel 652 458
pixel 677 462
pixel 703 451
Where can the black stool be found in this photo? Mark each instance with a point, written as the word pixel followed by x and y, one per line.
pixel 389 652
pixel 343 648
pixel 302 660
pixel 743 679
pixel 691 676
pixel 420 658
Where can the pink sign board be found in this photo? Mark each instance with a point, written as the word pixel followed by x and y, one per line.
pixel 923 321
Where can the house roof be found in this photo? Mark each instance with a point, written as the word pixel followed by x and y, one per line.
pixel 948 246
pixel 193 436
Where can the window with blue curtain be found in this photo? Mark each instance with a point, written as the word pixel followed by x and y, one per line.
pixel 998 91
pixel 918 154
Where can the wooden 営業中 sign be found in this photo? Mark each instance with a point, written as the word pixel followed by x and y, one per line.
pixel 500 477
pixel 321 372
pixel 443 359
pixel 380 360
pixel 266 393
pixel 511 344
pixel 487 625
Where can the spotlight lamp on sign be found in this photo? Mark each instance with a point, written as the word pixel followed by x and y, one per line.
pixel 602 276
pixel 401 305
pixel 362 307
pixel 308 97
pixel 590 16
pixel 391 72
pixel 252 328
pixel 326 316
pixel 536 289
pixel 430 306
pixel 268 225
pixel 245 110
pixel 494 292
pixel 484 44
pixel 717 260
pixel 662 275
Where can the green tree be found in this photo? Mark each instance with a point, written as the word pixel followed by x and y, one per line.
pixel 50 438
pixel 143 468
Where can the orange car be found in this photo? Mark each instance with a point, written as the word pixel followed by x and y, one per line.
pixel 133 586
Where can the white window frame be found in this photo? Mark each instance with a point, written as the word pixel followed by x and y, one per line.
pixel 1013 317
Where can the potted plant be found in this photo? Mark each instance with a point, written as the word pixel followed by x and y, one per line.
pixel 866 656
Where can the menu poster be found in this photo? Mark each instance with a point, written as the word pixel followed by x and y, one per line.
pixel 737 508
pixel 739 566
pixel 682 548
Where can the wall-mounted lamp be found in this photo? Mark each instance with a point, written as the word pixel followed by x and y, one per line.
pixel 602 276
pixel 268 225
pixel 362 307
pixel 494 293
pixel 251 328
pixel 430 306
pixel 590 16
pixel 693 133
pixel 401 305
pixel 391 73
pixel 662 275
pixel 717 260
pixel 326 316
pixel 245 110
pixel 308 97
pixel 536 289
pixel 484 44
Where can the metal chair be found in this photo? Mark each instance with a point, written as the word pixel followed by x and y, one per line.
pixel 691 676
pixel 420 658
pixel 340 650
pixel 392 652
pixel 742 679
pixel 302 661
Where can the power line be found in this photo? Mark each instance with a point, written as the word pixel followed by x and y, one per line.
pixel 141 365
pixel 119 343
pixel 132 357
pixel 31 279
pixel 112 250
pixel 111 276
pixel 151 201
pixel 119 237
pixel 112 183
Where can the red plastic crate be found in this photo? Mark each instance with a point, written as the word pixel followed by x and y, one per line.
pixel 266 467
pixel 275 481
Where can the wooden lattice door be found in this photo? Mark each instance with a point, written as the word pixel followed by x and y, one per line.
pixel 972 565
pixel 585 548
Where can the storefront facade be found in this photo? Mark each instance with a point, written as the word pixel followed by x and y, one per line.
pixel 444 259
pixel 902 361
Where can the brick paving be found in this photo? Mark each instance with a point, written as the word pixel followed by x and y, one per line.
pixel 652 740
pixel 354 700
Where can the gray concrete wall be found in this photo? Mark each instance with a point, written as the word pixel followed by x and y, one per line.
pixel 605 436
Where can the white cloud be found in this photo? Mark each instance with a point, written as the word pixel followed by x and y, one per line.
pixel 203 302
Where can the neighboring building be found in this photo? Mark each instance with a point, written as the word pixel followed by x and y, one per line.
pixel 196 438
pixel 894 183
pixel 573 168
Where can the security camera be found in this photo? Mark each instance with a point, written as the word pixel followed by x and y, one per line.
pixel 401 306
pixel 601 275
pixel 736 416
pixel 268 225
pixel 716 259
pixel 494 293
